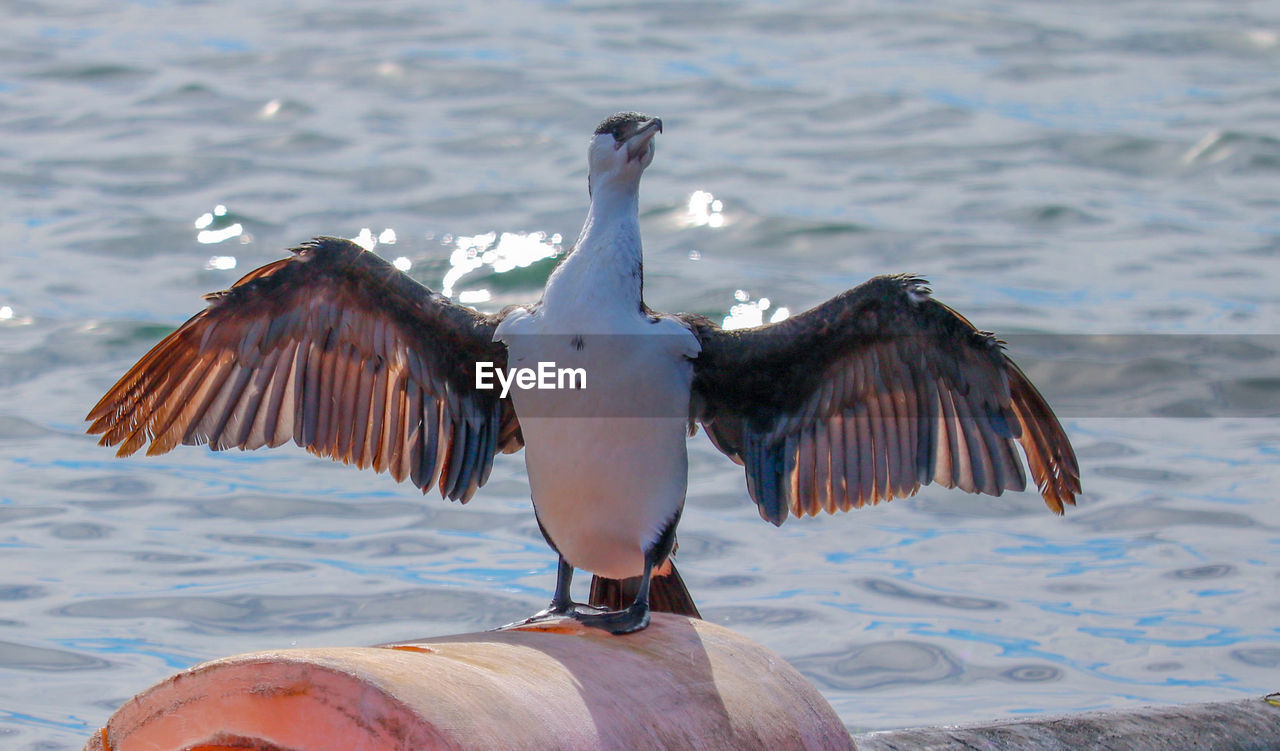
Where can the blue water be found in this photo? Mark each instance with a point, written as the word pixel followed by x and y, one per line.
pixel 1091 169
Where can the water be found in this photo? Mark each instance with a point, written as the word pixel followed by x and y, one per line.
pixel 1054 170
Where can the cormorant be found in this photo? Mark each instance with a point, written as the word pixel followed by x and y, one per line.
pixel 864 398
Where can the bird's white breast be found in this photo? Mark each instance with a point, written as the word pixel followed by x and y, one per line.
pixel 607 464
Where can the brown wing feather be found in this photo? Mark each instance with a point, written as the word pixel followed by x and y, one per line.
pixel 870 395
pixel 335 349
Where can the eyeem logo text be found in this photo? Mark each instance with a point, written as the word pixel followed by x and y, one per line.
pixel 545 377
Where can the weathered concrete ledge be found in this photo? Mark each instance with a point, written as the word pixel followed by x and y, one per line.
pixel 1242 725
pixel 682 683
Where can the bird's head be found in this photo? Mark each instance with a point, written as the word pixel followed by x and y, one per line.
pixel 620 150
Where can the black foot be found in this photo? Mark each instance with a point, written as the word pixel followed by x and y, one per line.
pixel 553 612
pixel 626 621
pixel 574 610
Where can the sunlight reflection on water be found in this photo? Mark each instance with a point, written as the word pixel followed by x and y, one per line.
pixel 705 210
pixel 501 253
pixel 215 227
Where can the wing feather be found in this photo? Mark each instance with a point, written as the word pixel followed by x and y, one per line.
pixel 309 402
pixel 869 396
pixel 255 402
pixel 866 459
pixel 851 467
pixel 397 434
pixel 834 490
pixel 336 350
pixel 878 448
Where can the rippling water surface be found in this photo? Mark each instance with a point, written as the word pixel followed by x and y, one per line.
pixel 1060 173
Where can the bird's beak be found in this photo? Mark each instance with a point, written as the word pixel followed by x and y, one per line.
pixel 638 143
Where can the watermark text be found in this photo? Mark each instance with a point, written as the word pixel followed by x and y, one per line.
pixel 546 376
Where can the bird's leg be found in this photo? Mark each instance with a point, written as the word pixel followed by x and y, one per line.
pixel 561 602
pixel 624 621
pixel 636 616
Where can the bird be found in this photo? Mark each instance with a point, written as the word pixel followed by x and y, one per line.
pixel 864 398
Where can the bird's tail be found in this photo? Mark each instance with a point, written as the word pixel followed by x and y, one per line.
pixel 667 592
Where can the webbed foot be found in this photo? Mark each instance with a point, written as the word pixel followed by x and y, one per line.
pixel 625 621
pixel 552 612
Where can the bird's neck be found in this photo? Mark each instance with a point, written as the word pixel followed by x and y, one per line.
pixel 604 271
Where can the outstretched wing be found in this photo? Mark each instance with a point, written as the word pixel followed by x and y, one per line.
pixel 869 396
pixel 334 349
